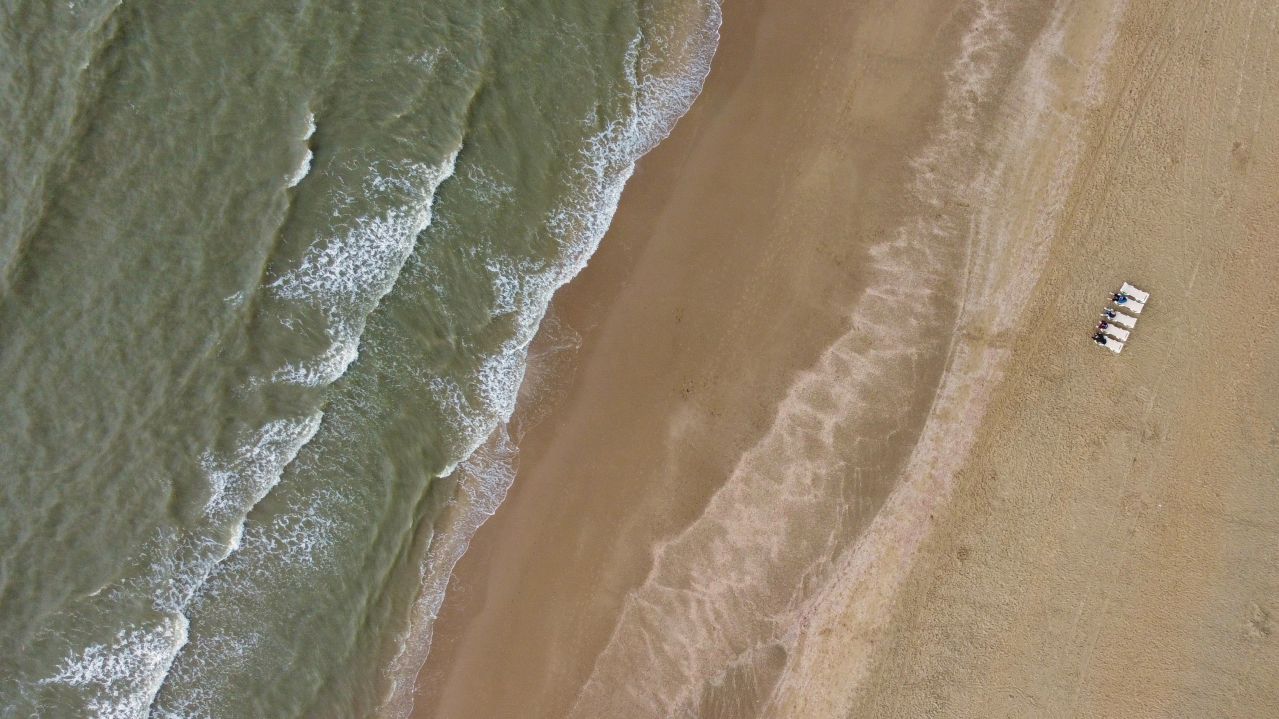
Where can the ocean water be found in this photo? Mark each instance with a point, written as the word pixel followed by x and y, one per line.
pixel 269 273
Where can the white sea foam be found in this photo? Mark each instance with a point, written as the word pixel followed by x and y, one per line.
pixel 359 264
pixel 325 368
pixel 483 480
pixel 304 165
pixel 505 281
pixel 303 168
pixel 347 274
pixel 486 399
pixel 199 700
pixel 344 276
pixel 184 563
pixel 123 676
pixel 241 479
pixel 428 59
pixel 301 536
pixel 660 96
pixel 282 553
pixel 487 188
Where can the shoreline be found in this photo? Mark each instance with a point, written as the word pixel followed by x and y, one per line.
pixel 471 490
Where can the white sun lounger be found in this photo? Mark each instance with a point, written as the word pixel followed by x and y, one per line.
pixel 1132 306
pixel 1136 294
pixel 1123 319
pixel 1113 345
pixel 1118 333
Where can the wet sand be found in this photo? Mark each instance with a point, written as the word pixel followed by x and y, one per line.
pixel 808 300
pixel 738 248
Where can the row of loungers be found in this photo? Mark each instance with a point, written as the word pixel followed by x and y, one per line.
pixel 1119 318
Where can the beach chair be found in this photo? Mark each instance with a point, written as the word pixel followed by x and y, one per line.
pixel 1133 292
pixel 1136 299
pixel 1118 333
pixel 1112 344
pixel 1132 306
pixel 1123 319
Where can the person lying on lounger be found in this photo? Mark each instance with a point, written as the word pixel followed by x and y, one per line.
pixel 1120 298
pixel 1099 338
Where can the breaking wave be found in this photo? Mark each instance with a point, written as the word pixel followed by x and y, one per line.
pixel 343 276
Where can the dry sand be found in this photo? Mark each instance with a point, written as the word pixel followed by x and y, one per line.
pixel 1113 547
pixel 809 299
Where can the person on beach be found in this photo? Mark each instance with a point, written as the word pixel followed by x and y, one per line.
pixel 1120 298
pixel 1108 313
pixel 1099 338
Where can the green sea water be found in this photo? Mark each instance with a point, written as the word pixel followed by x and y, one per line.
pixel 268 274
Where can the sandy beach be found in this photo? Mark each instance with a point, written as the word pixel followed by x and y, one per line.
pixel 836 442
pixel 1111 549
